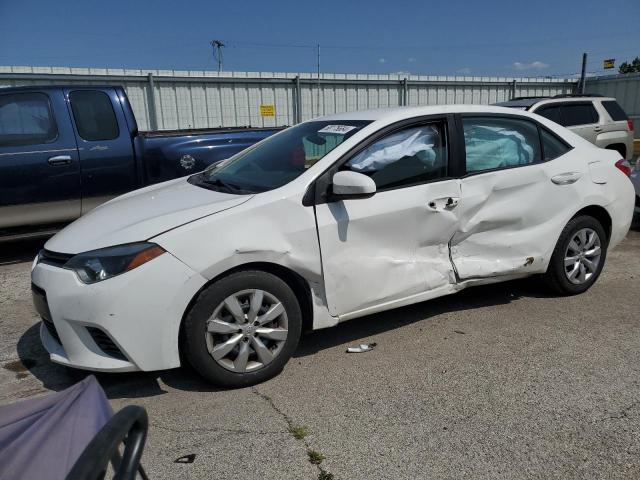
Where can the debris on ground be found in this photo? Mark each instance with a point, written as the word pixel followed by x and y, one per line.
pixel 363 347
pixel 186 458
pixel 460 332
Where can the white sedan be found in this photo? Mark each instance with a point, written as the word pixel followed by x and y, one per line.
pixel 329 220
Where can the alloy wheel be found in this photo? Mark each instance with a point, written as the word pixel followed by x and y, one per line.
pixel 582 256
pixel 247 330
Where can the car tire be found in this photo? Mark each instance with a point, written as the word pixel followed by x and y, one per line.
pixel 202 337
pixel 558 276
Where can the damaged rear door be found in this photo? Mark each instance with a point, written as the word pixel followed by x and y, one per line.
pixel 518 191
pixel 394 245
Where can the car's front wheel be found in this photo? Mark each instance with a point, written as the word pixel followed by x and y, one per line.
pixel 579 256
pixel 242 329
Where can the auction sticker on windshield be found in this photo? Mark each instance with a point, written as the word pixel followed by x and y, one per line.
pixel 337 129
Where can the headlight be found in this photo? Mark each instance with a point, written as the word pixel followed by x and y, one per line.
pixel 98 265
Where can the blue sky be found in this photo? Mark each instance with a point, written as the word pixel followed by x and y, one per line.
pixel 521 38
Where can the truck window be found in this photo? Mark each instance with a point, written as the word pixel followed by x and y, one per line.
pixel 579 114
pixel 615 111
pixel 94 115
pixel 26 119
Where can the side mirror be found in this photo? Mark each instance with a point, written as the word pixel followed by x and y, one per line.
pixel 348 184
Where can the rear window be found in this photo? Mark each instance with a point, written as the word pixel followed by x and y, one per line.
pixel 615 111
pixel 26 119
pixel 94 115
pixel 552 146
pixel 578 114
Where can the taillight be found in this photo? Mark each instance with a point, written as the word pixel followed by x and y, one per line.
pixel 624 167
pixel 630 125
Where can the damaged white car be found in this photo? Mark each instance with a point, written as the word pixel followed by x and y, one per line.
pixel 326 221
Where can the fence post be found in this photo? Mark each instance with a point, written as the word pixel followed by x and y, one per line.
pixel 513 88
pixel 151 99
pixel 405 92
pixel 297 101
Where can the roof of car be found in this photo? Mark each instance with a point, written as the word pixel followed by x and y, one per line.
pixel 527 102
pixel 408 112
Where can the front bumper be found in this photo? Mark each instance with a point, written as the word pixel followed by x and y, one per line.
pixel 126 323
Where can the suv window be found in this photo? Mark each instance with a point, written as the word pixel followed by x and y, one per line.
pixel 615 111
pixel 552 146
pixel 552 112
pixel 492 143
pixel 579 114
pixel 407 157
pixel 94 115
pixel 26 119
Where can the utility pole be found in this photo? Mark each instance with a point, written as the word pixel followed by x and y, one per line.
pixel 582 75
pixel 217 45
pixel 318 99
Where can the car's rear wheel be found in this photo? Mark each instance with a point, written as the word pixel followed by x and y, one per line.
pixel 242 329
pixel 578 258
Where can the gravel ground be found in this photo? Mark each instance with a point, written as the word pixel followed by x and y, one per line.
pixel 502 381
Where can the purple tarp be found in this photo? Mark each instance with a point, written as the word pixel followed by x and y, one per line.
pixel 43 437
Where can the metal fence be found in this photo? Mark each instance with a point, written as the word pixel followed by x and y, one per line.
pixel 169 99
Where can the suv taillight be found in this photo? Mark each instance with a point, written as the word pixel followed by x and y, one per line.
pixel 630 125
pixel 624 167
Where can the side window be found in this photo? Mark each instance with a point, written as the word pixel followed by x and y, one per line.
pixel 553 147
pixel 94 115
pixel 551 112
pixel 26 119
pixel 615 111
pixel 406 157
pixel 492 143
pixel 579 114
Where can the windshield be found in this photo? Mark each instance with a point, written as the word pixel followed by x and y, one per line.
pixel 279 159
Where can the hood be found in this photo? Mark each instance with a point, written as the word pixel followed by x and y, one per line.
pixel 140 215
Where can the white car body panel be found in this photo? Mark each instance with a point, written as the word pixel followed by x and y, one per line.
pixel 356 256
pixel 142 214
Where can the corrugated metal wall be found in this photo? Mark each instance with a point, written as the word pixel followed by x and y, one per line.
pixel 196 99
pixel 624 88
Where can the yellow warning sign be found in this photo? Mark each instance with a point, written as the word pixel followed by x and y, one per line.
pixel 267 110
pixel 609 63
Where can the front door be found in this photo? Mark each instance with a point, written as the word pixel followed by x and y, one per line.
pixel 393 246
pixel 107 160
pixel 39 170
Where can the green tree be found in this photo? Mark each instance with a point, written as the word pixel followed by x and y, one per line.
pixel 633 66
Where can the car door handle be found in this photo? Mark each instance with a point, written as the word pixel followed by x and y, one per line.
pixel 59 160
pixel 566 178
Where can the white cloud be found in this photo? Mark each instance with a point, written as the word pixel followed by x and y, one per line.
pixel 401 72
pixel 411 59
pixel 382 60
pixel 537 65
pixel 464 70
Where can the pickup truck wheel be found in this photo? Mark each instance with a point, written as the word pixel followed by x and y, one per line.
pixel 578 257
pixel 242 329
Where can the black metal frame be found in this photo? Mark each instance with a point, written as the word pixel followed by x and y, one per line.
pixel 129 427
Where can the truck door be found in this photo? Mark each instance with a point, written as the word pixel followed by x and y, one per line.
pixel 39 169
pixel 107 163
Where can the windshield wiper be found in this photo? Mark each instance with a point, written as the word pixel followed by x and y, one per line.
pixel 230 187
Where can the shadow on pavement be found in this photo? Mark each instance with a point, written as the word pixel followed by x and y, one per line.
pixel 20 251
pixel 146 384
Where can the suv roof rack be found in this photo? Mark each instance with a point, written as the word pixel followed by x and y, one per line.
pixel 569 95
pixel 527 98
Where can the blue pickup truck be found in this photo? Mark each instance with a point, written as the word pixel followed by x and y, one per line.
pixel 66 149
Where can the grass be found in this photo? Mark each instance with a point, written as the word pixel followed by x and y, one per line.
pixel 315 458
pixel 324 475
pixel 298 431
